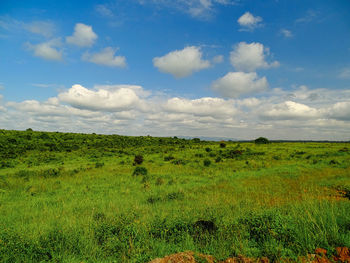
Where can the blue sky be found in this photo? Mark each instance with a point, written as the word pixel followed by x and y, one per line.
pixel 227 68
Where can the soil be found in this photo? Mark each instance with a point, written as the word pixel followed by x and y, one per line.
pixel 342 255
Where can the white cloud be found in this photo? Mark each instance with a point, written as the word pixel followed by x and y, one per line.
pixel 103 10
pixel 199 9
pixel 105 57
pixel 248 22
pixel 218 59
pixel 344 73
pixel 114 98
pixel 250 57
pixel 83 36
pixel 214 107
pixel 290 110
pixel 44 28
pixel 339 111
pixel 47 50
pixel 310 16
pixel 234 84
pixel 181 63
pixel 286 33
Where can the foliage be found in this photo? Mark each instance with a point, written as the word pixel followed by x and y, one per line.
pixel 261 140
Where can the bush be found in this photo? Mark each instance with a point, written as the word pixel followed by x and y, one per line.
pixel 140 171
pixel 207 162
pixel 218 159
pixel 99 165
pixel 138 159
pixel 222 145
pixel 208 149
pixel 169 158
pixel 261 140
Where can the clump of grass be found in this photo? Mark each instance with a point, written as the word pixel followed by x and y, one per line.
pixel 140 170
pixel 206 162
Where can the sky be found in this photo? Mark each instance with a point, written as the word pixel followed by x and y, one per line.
pixel 236 69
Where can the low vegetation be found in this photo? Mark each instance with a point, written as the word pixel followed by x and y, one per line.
pixel 107 198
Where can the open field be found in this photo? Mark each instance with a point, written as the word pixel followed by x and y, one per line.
pixel 75 197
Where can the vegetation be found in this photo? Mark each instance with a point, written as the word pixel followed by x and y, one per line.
pixel 79 197
pixel 261 140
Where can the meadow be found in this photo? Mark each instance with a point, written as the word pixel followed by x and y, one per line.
pixel 68 197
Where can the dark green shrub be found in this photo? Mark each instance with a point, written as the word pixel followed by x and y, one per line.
pixel 222 145
pixel 140 171
pixel 178 162
pixel 175 196
pixel 99 165
pixel 218 159
pixel 208 149
pixel 153 199
pixel 169 158
pixel 138 159
pixel 206 162
pixel 261 140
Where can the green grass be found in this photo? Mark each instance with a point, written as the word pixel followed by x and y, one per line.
pixel 86 204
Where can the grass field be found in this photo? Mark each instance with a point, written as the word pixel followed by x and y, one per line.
pixel 82 198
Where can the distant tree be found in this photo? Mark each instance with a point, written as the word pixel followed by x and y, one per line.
pixel 29 130
pixel 196 140
pixel 261 140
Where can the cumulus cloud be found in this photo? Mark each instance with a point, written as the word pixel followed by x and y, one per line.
pixel 250 57
pixel 234 84
pixel 114 98
pixel 339 111
pixel 208 106
pixel 44 28
pixel 47 50
pixel 248 22
pixel 83 36
pixel 181 63
pixel 286 33
pixel 105 57
pixel 290 110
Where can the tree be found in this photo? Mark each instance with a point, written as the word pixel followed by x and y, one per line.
pixel 261 140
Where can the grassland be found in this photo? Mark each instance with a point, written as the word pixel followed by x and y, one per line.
pixel 82 198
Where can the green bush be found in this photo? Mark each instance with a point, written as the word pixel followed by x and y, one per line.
pixel 261 140
pixel 140 171
pixel 138 159
pixel 206 162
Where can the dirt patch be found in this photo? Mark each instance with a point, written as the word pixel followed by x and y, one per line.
pixel 320 256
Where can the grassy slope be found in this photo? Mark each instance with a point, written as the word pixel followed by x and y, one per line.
pixel 83 204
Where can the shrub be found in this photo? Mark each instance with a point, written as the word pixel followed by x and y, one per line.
pixel 169 158
pixel 138 159
pixel 140 171
pixel 218 159
pixel 261 140
pixel 207 162
pixel 222 145
pixel 99 165
pixel 208 149
pixel 175 196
